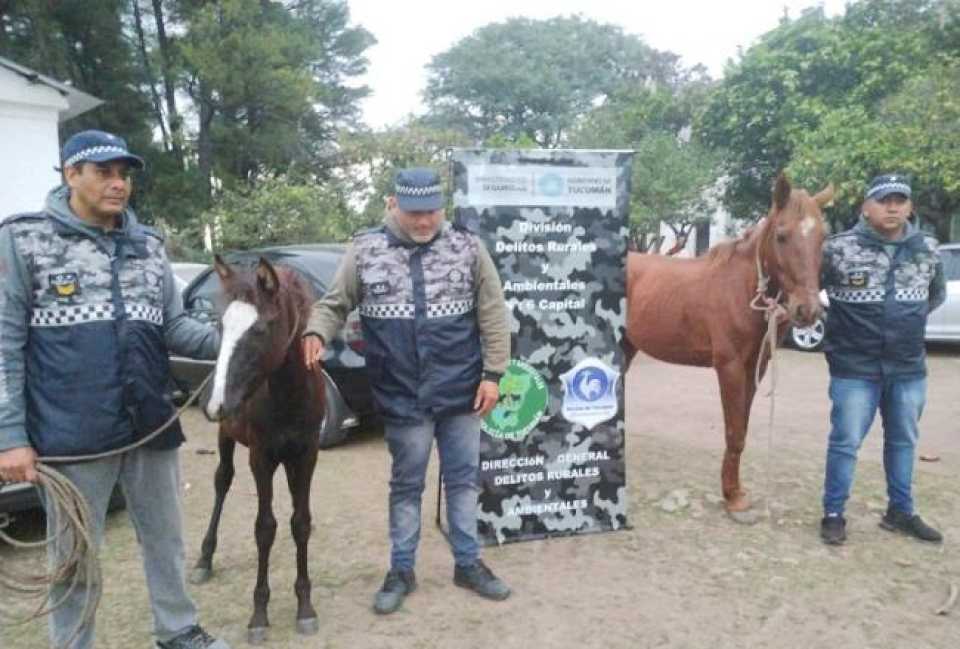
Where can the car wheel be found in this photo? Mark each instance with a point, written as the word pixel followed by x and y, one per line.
pixel 808 339
pixel 331 430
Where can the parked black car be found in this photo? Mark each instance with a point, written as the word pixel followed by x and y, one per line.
pixel 349 400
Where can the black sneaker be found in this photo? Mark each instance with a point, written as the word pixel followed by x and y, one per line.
pixel 909 524
pixel 833 530
pixel 397 585
pixel 193 638
pixel 481 580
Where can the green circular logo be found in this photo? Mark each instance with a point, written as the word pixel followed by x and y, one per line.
pixel 523 400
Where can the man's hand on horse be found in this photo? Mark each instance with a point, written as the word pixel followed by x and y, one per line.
pixel 18 465
pixel 487 394
pixel 313 350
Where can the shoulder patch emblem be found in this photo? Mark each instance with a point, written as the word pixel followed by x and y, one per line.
pixel 66 284
pixel 857 278
pixel 380 288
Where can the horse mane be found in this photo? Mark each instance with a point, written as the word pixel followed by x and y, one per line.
pixel 724 251
pixel 296 292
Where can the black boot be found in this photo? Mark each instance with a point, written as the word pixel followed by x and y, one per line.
pixel 909 524
pixel 833 529
pixel 397 585
pixel 481 580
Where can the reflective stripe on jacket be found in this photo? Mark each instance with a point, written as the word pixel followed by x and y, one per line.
pixel 418 310
pixel 880 293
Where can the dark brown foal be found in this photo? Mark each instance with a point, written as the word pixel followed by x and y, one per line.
pixel 265 399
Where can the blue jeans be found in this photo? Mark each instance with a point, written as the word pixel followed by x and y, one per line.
pixel 855 403
pixel 458 441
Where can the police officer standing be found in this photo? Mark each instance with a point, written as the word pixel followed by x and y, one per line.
pixel 434 321
pixel 88 310
pixel 883 277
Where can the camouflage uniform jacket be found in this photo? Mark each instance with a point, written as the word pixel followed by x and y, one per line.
pixel 424 309
pixel 879 301
pixel 86 317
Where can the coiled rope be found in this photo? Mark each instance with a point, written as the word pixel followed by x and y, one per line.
pixel 79 566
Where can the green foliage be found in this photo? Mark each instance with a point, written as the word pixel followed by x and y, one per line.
pixel 278 211
pixel 274 82
pixel 83 43
pixel 672 183
pixel 534 78
pixel 914 131
pixel 799 74
pixel 672 174
pixel 266 87
pixel 373 158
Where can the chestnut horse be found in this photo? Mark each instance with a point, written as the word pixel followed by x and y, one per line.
pixel 698 311
pixel 265 399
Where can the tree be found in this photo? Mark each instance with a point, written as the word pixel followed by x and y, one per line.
pixel 783 87
pixel 270 84
pixel 535 78
pixel 915 131
pixel 83 43
pixel 278 211
pixel 371 160
pixel 673 173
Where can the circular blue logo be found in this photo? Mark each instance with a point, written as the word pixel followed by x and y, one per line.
pixel 550 185
pixel 590 384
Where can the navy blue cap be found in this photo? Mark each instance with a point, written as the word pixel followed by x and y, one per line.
pixel 97 146
pixel 418 190
pixel 886 184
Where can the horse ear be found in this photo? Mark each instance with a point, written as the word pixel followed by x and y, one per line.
pixel 267 278
pixel 825 197
pixel 223 268
pixel 781 191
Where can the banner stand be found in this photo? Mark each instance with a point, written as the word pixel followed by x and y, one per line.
pixel 556 225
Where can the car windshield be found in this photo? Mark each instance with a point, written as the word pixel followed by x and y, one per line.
pixel 951 263
pixel 204 295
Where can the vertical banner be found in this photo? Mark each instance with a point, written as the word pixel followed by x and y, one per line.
pixel 555 223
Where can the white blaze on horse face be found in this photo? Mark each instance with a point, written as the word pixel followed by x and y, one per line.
pixel 237 319
pixel 807 225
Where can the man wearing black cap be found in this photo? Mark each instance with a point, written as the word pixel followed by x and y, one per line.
pixel 883 277
pixel 434 320
pixel 88 309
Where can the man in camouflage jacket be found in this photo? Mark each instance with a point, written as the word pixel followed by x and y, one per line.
pixel 88 310
pixel 434 321
pixel 883 277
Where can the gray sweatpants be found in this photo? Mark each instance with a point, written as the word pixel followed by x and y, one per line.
pixel 150 481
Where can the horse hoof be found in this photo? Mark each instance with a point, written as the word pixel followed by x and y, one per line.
pixel 200 575
pixel 308 626
pixel 746 517
pixel 257 635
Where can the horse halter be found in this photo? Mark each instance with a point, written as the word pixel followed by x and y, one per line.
pixel 769 303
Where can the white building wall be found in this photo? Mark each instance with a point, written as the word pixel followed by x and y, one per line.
pixel 29 142
pixel 720 230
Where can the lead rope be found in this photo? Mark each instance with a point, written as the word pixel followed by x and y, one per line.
pixel 72 512
pixel 772 311
pixel 73 515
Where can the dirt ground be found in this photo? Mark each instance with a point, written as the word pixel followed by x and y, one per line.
pixel 690 578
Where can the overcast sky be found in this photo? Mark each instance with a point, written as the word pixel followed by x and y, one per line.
pixel 410 32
